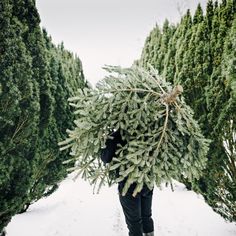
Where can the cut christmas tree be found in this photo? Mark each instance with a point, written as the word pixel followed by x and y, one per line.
pixel 163 141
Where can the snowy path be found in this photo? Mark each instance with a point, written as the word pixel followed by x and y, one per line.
pixel 74 211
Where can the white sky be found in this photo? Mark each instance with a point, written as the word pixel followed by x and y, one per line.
pixel 109 32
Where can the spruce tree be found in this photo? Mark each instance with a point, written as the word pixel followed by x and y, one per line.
pixel 163 140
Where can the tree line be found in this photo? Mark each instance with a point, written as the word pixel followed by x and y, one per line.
pixel 199 53
pixel 36 79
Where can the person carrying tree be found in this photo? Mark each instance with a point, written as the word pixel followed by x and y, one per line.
pixel 137 209
pixel 137 123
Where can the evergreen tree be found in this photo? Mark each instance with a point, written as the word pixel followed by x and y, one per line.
pixel 19 113
pixel 167 32
pixel 65 76
pixel 36 79
pixel 203 54
pixel 198 16
pixel 172 65
pixel 182 55
pixel 153 43
pixel 163 140
pixel 223 176
pixel 209 15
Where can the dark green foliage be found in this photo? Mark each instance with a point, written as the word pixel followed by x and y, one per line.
pixel 36 79
pixel 65 73
pixel 19 114
pixel 204 64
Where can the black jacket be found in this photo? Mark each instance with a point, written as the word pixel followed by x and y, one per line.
pixel 109 152
pixel 111 146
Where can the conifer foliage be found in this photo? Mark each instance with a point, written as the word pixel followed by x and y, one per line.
pixel 36 79
pixel 201 57
pixel 163 141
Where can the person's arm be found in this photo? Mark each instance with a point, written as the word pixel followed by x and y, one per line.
pixel 111 146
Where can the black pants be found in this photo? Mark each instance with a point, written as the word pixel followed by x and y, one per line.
pixel 137 211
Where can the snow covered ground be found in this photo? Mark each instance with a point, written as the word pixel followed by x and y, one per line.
pixel 73 210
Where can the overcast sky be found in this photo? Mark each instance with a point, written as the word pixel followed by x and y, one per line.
pixel 109 32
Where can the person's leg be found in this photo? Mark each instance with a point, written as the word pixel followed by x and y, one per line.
pixel 132 211
pixel 148 234
pixel 146 211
